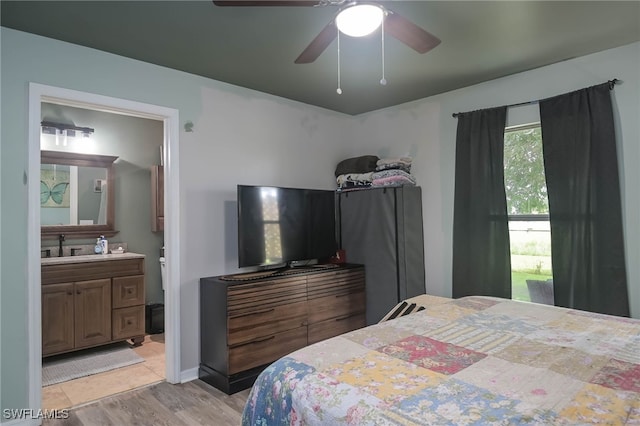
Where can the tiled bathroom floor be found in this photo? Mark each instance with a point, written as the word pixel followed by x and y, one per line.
pixel 86 389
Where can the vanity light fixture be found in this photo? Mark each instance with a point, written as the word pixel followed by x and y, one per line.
pixel 64 129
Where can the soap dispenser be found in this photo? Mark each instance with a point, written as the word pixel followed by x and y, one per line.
pixel 98 248
pixel 105 244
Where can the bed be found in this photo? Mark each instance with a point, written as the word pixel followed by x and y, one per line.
pixel 470 361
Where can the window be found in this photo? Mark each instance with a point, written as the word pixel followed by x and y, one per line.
pixel 271 225
pixel 528 210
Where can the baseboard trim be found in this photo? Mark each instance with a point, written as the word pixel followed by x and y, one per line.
pixel 187 375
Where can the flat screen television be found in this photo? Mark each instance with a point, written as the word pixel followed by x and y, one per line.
pixel 283 225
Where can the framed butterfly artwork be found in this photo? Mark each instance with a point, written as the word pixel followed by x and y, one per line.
pixel 54 188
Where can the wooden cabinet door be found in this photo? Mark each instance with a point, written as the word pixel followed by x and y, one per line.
pixel 92 305
pixel 57 318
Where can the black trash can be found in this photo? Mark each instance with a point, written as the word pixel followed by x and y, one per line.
pixel 154 318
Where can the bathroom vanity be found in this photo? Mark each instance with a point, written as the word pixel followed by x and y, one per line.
pixel 91 300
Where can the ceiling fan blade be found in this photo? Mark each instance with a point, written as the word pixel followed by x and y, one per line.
pixel 265 3
pixel 318 45
pixel 409 33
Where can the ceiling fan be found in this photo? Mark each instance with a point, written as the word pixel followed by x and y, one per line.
pixel 395 25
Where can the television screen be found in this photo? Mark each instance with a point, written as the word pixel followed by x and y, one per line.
pixel 280 225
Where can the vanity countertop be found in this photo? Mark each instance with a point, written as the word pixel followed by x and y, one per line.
pixel 89 258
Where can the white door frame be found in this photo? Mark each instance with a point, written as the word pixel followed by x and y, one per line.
pixel 170 118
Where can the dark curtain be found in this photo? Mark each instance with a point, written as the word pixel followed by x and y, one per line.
pixel 581 169
pixel 481 256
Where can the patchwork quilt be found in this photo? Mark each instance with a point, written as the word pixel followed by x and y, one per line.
pixel 469 361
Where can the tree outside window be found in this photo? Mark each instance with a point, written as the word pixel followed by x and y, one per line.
pixel 528 208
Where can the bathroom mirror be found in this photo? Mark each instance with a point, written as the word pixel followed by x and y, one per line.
pixel 77 195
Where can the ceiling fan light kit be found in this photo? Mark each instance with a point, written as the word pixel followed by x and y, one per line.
pixel 359 20
pixel 355 19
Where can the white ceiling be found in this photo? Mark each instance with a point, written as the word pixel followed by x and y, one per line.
pixel 255 47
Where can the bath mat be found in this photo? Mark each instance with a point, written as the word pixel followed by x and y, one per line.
pixel 71 366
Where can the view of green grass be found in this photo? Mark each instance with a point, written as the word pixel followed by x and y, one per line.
pixel 530 256
pixel 519 284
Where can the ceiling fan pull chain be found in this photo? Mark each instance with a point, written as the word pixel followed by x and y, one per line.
pixel 383 81
pixel 339 90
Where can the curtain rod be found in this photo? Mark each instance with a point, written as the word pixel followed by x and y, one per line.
pixel 611 84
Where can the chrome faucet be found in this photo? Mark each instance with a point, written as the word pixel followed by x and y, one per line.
pixel 60 240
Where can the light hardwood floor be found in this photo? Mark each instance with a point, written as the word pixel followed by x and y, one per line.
pixel 162 404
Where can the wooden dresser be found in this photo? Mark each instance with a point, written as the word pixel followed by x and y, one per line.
pixel 245 324
pixel 91 300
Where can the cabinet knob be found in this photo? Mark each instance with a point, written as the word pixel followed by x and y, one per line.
pixel 78 292
pixel 129 290
pixel 69 293
pixel 129 322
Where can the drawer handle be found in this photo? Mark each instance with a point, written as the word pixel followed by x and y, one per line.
pixel 264 311
pixel 255 341
pixel 263 340
pixel 343 294
pixel 346 317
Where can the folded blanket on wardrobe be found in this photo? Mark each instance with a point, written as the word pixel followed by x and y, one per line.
pixel 351 185
pixel 392 181
pixel 362 164
pixel 355 177
pixel 394 166
pixel 393 172
pixel 403 160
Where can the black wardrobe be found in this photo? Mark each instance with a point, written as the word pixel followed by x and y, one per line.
pixel 381 228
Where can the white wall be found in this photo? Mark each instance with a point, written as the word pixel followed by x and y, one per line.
pixel 239 136
pixel 243 136
pixel 426 129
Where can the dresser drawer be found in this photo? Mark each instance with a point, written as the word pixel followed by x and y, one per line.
pixel 336 305
pixel 266 350
pixel 333 282
pixel 333 327
pixel 246 298
pixel 127 291
pixel 264 322
pixel 127 322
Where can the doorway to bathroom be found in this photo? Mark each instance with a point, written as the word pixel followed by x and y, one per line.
pixel 141 136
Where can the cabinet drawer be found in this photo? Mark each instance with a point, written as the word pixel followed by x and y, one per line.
pixel 336 305
pixel 264 322
pixel 266 350
pixel 128 322
pixel 333 327
pixel 68 272
pixel 128 291
pixel 244 298
pixel 332 282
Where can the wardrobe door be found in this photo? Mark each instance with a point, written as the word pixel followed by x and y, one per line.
pixel 411 276
pixel 368 235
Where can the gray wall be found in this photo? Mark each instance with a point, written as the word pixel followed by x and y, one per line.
pixel 136 142
pixel 239 136
pixel 246 137
pixel 429 135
